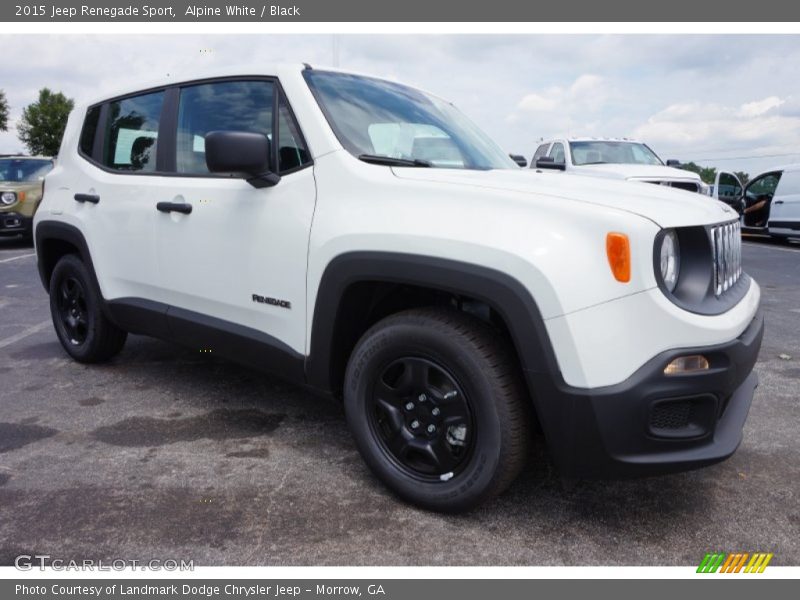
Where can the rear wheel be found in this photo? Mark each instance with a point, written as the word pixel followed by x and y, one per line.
pixel 75 306
pixel 435 404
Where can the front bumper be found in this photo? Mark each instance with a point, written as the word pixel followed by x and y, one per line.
pixel 652 423
pixel 13 223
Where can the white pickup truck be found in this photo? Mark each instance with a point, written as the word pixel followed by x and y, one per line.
pixel 614 158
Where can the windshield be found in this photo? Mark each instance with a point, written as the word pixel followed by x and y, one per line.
pixel 600 152
pixel 374 118
pixel 24 169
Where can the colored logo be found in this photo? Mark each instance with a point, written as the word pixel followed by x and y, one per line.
pixel 737 562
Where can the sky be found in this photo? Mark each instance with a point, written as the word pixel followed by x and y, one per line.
pixel 727 101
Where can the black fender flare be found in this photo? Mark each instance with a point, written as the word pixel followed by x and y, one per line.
pixel 47 230
pixel 560 408
pixel 503 293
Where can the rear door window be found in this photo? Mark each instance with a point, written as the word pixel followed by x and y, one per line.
pixel 132 133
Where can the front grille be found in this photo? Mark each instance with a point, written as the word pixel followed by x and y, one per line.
pixel 726 242
pixel 682 185
pixel 671 415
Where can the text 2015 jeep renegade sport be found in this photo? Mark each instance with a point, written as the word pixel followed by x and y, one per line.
pixel 365 239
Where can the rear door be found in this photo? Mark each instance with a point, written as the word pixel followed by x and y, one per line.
pixel 115 192
pixel 785 214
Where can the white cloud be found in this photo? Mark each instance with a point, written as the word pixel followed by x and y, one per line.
pixel 698 126
pixel 537 102
pixel 587 93
pixel 687 91
pixel 759 107
pixel 563 109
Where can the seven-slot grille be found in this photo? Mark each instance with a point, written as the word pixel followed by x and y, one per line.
pixel 726 241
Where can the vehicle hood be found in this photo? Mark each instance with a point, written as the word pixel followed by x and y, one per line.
pixel 664 206
pixel 17 186
pixel 653 172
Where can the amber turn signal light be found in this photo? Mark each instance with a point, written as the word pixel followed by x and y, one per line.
pixel 687 364
pixel 618 249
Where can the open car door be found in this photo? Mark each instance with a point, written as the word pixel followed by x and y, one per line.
pixel 728 189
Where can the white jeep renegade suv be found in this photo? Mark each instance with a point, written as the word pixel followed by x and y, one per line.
pixel 365 239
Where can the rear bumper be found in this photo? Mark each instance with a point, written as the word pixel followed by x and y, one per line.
pixel 652 423
pixel 12 223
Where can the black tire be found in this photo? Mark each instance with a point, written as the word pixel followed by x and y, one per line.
pixel 454 352
pixel 75 306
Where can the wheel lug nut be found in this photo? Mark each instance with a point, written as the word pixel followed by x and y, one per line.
pixel 435 412
pixel 431 428
pixel 414 424
pixel 409 406
pixel 422 397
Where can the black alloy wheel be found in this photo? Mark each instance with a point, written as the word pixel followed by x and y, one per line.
pixel 437 407
pixel 76 306
pixel 71 301
pixel 423 418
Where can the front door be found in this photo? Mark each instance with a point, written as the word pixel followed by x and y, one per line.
pixel 728 189
pixel 236 257
pixel 758 198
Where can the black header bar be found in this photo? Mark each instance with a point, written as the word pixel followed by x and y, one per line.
pixel 400 11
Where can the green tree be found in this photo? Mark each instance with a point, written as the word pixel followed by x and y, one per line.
pixel 3 111
pixel 743 177
pixel 707 174
pixel 42 124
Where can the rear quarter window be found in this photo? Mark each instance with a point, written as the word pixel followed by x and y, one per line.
pixel 89 131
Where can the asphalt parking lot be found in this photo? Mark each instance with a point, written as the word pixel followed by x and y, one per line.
pixel 165 453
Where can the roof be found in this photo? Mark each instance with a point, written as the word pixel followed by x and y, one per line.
pixel 244 70
pixel 592 139
pixel 20 156
pixel 789 167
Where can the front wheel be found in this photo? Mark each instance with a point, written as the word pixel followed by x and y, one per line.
pixel 75 306
pixel 435 404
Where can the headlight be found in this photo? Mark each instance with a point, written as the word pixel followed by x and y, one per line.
pixel 670 259
pixel 8 198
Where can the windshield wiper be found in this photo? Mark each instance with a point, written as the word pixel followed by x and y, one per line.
pixel 597 162
pixel 377 159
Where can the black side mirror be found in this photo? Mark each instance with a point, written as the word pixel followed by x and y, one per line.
pixel 548 162
pixel 241 152
pixel 673 163
pixel 519 159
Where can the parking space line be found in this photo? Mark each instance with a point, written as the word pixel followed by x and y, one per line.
pixel 24 333
pixel 5 260
pixel 754 245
